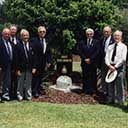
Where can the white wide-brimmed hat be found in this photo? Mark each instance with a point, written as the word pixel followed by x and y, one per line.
pixel 111 76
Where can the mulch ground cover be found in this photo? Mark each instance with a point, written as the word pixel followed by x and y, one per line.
pixel 75 97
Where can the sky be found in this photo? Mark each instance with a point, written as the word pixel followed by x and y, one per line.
pixel 1 1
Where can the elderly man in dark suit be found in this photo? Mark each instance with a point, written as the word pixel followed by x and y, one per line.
pixel 89 51
pixel 25 66
pixel 6 57
pixel 105 41
pixel 14 41
pixel 43 55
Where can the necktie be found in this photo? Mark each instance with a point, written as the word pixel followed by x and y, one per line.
pixel 12 40
pixel 114 53
pixel 42 44
pixel 9 50
pixel 26 51
pixel 104 41
pixel 88 43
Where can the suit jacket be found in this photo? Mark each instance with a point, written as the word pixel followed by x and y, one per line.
pixel 4 57
pixel 24 63
pixel 102 52
pixel 41 57
pixel 90 52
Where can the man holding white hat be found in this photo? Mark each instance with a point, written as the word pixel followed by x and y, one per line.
pixel 115 59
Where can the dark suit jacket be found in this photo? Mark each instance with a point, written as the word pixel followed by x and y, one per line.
pixel 23 63
pixel 102 53
pixel 4 57
pixel 90 52
pixel 41 57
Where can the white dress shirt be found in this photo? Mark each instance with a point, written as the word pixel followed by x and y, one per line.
pixel 45 45
pixel 15 42
pixel 107 44
pixel 120 57
pixel 26 48
pixel 9 51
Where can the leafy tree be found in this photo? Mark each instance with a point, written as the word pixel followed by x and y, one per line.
pixel 120 3
pixel 68 41
pixel 63 18
pixel 122 23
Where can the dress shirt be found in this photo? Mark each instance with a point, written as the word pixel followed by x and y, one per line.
pixel 26 48
pixel 107 43
pixel 44 44
pixel 11 38
pixel 120 57
pixel 89 41
pixel 8 48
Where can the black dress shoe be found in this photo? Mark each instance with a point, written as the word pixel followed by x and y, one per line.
pixel 1 101
pixel 36 95
pixel 5 99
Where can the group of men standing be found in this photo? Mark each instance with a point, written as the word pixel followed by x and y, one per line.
pixel 22 63
pixel 109 53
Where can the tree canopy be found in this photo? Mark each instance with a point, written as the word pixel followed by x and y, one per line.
pixel 62 17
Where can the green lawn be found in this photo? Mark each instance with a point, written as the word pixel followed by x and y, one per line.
pixel 46 115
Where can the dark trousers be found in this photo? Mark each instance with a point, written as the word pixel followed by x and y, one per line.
pixel 89 79
pixel 6 82
pixel 36 83
pixel 13 89
pixel 1 82
pixel 104 70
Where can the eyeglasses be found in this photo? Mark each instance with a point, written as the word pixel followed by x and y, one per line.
pixel 42 31
pixel 89 33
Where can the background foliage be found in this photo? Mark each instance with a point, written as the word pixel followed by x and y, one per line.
pixel 62 17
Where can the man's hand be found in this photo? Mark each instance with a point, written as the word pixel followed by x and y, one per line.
pixel 112 68
pixel 48 65
pixel 19 73
pixel 87 61
pixel 33 70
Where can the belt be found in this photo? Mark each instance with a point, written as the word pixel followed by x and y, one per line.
pixel 113 64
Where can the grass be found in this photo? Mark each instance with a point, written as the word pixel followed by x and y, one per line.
pixel 46 115
pixel 76 66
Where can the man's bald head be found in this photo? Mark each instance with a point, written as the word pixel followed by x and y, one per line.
pixel 6 33
pixel 107 31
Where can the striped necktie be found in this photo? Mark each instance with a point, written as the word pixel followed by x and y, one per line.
pixel 9 50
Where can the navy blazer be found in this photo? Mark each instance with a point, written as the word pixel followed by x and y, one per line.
pixel 41 57
pixel 4 57
pixel 24 63
pixel 90 52
pixel 102 52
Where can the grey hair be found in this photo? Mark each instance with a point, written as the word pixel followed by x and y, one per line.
pixel 13 25
pixel 40 27
pixel 89 30
pixel 107 27
pixel 118 32
pixel 23 31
